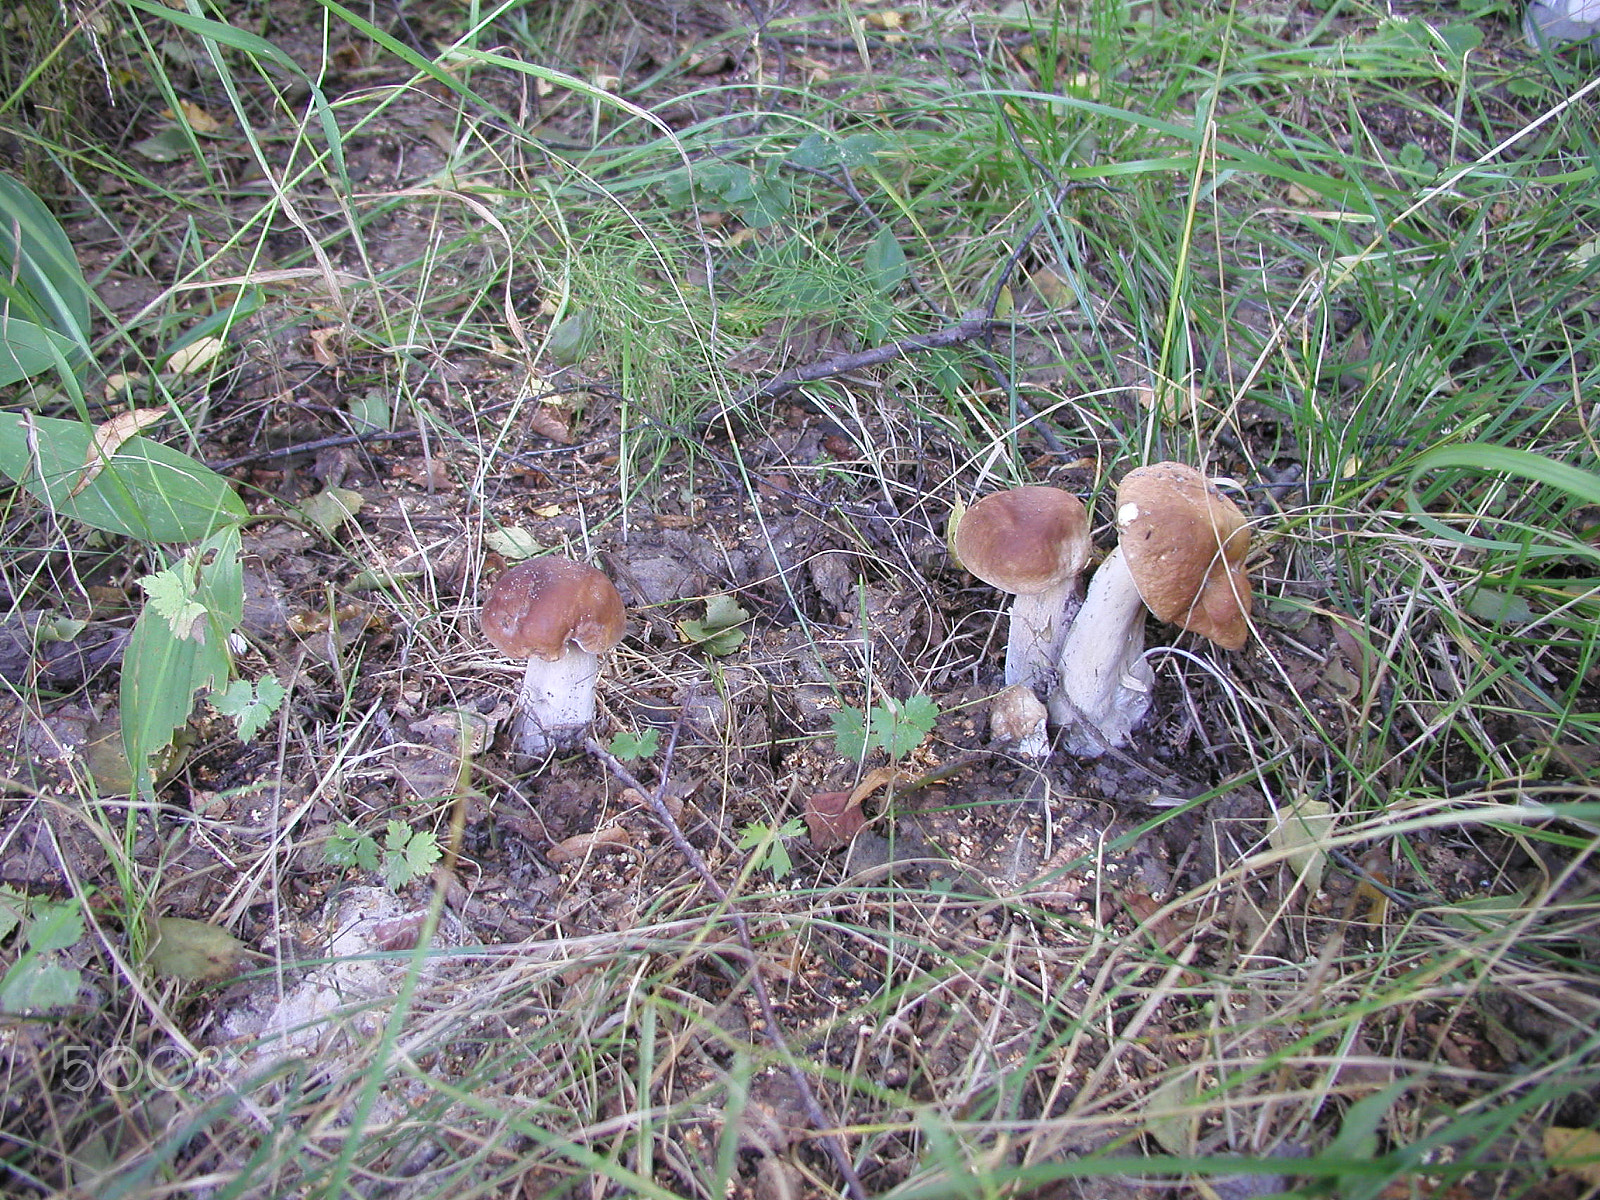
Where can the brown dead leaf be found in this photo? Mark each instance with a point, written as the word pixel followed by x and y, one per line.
pixel 1168 929
pixel 1354 639
pixel 835 817
pixel 1574 1152
pixel 671 801
pixel 431 473
pixel 196 356
pixel 197 118
pixel 426 772
pixel 581 845
pixel 1053 288
pixel 832 819
pixel 326 344
pixel 548 422
pixel 108 439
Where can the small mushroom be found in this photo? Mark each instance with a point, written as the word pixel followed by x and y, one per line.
pixel 1032 542
pixel 1017 718
pixel 1180 552
pixel 561 616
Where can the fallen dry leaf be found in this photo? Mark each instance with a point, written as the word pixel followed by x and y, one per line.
pixel 832 819
pixel 835 817
pixel 108 439
pixel 198 118
pixel 195 356
pixel 582 844
pixel 1574 1152
pixel 326 344
pixel 430 473
pixel 549 423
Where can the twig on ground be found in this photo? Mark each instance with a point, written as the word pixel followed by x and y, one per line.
pixel 656 797
pixel 971 326
pixel 327 443
pixel 976 326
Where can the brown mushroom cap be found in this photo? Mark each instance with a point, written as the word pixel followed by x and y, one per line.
pixel 1185 545
pixel 1025 540
pixel 536 608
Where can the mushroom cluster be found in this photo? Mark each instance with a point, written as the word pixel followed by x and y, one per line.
pixel 1180 554
pixel 561 616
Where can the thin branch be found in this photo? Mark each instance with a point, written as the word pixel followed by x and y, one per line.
pixel 972 326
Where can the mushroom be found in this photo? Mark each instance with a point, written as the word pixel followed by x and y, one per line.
pixel 1017 718
pixel 1180 552
pixel 561 616
pixel 1032 542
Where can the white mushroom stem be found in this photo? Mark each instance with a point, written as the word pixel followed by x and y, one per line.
pixel 1038 624
pixel 556 704
pixel 1104 687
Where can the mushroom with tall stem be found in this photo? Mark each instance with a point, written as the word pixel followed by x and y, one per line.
pixel 1180 552
pixel 561 616
pixel 1032 542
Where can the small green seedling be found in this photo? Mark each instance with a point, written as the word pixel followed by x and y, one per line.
pixel 717 634
pixel 406 855
pixel 250 704
pixel 896 729
pixel 767 842
pixel 629 747
pixel 36 982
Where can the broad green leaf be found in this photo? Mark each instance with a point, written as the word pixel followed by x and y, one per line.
pixel 39 267
pixel 146 490
pixel 408 853
pixel 1171 1115
pixel 169 145
pixel 718 633
pixel 885 261
pixel 900 729
pixel 818 151
pixel 1499 607
pixel 32 985
pixel 571 339
pixel 1302 833
pixel 331 508
pixel 629 747
pixel 347 846
pixel 12 907
pixel 160 675
pixel 193 951
pixel 513 542
pixel 27 349
pixel 371 411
